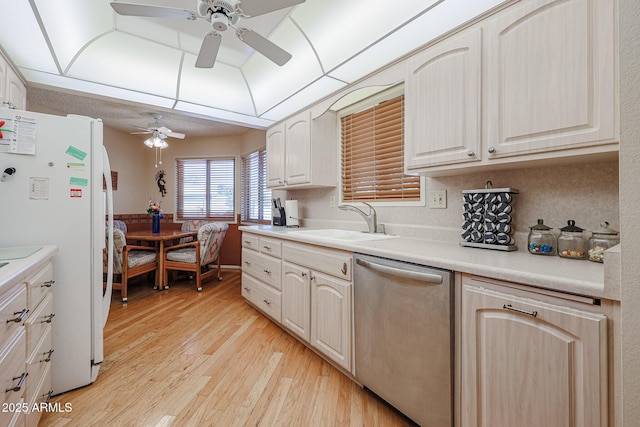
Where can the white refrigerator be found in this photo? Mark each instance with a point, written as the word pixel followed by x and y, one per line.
pixel 51 193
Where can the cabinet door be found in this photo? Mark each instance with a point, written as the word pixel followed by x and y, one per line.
pixel 296 300
pixel 298 149
pixel 331 318
pixel 275 156
pixel 3 80
pixel 530 363
pixel 16 91
pixel 443 103
pixel 550 76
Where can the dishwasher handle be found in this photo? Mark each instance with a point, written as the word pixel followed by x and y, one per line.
pixel 407 274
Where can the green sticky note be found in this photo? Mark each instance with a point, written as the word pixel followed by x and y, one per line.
pixel 78 181
pixel 76 152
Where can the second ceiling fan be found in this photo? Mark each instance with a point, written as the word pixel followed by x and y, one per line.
pixel 221 14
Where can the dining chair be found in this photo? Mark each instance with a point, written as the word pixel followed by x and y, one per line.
pixel 200 256
pixel 129 261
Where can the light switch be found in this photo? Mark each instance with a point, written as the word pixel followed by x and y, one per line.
pixel 438 199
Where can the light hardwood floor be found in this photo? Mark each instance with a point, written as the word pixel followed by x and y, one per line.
pixel 183 358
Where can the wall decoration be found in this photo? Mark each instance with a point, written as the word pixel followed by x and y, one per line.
pixel 161 182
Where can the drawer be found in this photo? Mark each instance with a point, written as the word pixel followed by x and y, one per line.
pixel 39 285
pixel 250 241
pixel 329 261
pixel 272 247
pixel 37 363
pixel 13 313
pixel 263 267
pixel 38 322
pixel 42 396
pixel 19 417
pixel 263 297
pixel 12 369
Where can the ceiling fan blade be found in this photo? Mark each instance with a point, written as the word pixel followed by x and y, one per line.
pixel 209 50
pixel 272 51
pixel 175 135
pixel 260 7
pixel 133 9
pixel 141 133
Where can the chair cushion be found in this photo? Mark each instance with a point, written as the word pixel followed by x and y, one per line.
pixel 186 255
pixel 138 258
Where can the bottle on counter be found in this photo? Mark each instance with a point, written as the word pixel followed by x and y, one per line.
pixel 602 239
pixel 571 241
pixel 541 240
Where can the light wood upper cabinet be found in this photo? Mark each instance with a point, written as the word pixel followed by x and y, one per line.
pixel 550 77
pixel 532 83
pixel 13 92
pixel 528 362
pixel 443 97
pixel 301 152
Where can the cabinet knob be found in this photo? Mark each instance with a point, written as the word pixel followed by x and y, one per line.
pixel 491 150
pixel 303 274
pixel 471 153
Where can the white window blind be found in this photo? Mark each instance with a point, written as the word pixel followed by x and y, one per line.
pixel 373 155
pixel 256 197
pixel 205 189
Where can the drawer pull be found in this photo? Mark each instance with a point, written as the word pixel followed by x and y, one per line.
pixel 248 263
pixel 303 274
pixel 48 284
pixel 344 268
pixel 48 318
pixel 48 394
pixel 20 316
pixel 510 307
pixel 247 289
pixel 267 271
pixel 20 383
pixel 47 355
pixel 267 247
pixel 248 242
pixel 266 301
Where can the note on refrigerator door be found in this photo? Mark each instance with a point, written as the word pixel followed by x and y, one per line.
pixel 38 188
pixel 18 135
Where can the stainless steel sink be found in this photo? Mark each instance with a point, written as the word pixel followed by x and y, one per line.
pixel 343 235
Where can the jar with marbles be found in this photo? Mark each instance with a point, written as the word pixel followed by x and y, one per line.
pixel 602 239
pixel 541 240
pixel 571 241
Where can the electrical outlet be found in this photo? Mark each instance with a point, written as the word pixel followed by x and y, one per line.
pixel 438 199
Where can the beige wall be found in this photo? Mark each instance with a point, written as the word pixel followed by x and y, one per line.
pixel 135 164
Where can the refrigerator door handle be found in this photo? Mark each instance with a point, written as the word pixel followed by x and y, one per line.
pixel 106 299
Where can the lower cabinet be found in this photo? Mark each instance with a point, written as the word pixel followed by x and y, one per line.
pixel 311 298
pixel 331 318
pixel 531 360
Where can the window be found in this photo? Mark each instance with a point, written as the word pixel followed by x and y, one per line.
pixel 256 197
pixel 373 152
pixel 205 189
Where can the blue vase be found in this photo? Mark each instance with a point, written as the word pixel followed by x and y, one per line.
pixel 155 222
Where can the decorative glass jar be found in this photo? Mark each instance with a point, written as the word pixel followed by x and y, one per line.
pixel 571 242
pixel 602 239
pixel 541 240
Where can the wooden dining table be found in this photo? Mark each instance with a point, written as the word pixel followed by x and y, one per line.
pixel 159 240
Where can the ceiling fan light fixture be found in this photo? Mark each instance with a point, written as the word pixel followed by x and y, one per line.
pixel 156 142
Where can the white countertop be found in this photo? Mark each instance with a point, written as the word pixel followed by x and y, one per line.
pixel 16 268
pixel 580 277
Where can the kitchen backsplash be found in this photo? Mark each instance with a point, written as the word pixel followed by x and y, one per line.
pixel 586 193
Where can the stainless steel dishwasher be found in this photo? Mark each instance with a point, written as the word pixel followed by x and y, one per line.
pixel 404 336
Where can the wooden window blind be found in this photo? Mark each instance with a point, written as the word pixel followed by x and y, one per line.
pixel 373 155
pixel 256 197
pixel 205 189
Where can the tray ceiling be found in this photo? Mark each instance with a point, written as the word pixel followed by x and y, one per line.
pixel 83 48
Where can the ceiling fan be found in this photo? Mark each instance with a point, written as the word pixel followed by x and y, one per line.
pixel 221 14
pixel 157 129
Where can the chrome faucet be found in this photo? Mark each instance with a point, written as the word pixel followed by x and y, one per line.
pixel 371 218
